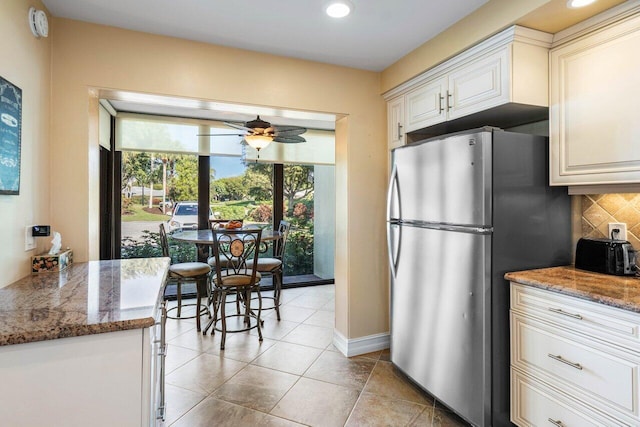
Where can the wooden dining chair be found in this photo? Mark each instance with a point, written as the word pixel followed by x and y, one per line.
pixel 235 253
pixel 275 265
pixel 186 272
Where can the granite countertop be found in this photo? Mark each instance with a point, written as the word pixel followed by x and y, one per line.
pixel 617 291
pixel 87 298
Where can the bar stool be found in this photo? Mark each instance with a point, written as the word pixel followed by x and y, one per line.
pixel 274 265
pixel 234 251
pixel 186 272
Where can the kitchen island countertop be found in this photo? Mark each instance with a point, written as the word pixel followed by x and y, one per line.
pixel 616 291
pixel 87 298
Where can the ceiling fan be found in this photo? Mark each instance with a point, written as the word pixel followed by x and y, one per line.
pixel 259 133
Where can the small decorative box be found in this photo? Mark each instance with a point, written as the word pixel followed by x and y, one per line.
pixel 46 263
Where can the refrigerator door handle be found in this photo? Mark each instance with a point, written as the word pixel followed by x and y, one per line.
pixel 393 184
pixel 393 247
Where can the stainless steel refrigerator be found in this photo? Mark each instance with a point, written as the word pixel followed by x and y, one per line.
pixel 463 209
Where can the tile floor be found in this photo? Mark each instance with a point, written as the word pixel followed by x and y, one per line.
pixel 294 377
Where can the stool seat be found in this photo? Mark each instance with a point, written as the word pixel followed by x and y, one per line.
pixel 236 279
pixel 266 264
pixel 189 269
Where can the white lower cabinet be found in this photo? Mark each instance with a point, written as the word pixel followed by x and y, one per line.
pixel 563 372
pixel 95 380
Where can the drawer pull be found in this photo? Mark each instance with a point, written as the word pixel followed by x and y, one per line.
pixel 565 361
pixel 564 313
pixel 556 422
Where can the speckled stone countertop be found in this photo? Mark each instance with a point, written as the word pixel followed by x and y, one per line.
pixel 617 291
pixel 86 298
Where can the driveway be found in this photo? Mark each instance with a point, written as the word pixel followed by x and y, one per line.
pixel 134 229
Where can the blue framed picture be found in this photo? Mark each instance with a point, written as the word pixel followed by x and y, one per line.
pixel 10 134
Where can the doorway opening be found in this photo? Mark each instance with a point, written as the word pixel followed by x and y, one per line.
pixel 159 170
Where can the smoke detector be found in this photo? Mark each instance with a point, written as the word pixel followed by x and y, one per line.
pixel 38 22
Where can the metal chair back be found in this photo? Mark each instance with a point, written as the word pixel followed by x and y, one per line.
pixel 232 249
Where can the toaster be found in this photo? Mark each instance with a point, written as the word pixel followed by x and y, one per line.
pixel 606 256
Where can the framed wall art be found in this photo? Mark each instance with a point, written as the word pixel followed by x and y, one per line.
pixel 10 137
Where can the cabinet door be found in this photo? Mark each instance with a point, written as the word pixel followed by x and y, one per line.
pixel 595 99
pixel 395 122
pixel 480 84
pixel 425 105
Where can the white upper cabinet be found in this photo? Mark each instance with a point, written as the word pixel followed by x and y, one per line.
pixel 426 105
pixel 510 67
pixel 595 101
pixel 395 122
pixel 479 85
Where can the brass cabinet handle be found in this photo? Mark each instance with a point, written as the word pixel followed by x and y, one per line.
pixel 565 361
pixel 556 422
pixel 564 313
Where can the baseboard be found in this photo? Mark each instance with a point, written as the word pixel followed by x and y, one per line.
pixel 362 345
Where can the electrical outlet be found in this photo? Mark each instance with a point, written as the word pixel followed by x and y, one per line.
pixel 621 234
pixel 29 240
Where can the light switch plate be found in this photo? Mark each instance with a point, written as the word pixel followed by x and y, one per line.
pixel 29 240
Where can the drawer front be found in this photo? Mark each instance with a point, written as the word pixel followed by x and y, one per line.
pixel 535 404
pixel 586 366
pixel 611 324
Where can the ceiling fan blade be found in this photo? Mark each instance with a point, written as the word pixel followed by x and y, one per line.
pixel 289 139
pixel 236 126
pixel 221 134
pixel 289 130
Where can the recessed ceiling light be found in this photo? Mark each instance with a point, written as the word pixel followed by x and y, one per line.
pixel 579 3
pixel 339 9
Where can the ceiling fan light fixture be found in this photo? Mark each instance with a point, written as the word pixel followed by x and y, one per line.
pixel 574 4
pixel 258 142
pixel 339 8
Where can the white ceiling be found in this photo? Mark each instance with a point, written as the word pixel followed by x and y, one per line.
pixel 374 36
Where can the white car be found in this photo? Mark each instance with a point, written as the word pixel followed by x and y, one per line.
pixel 185 216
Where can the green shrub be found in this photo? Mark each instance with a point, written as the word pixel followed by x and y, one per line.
pixel 149 247
pixel 298 257
pixel 229 212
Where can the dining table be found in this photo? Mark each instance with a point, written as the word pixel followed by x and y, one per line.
pixel 203 239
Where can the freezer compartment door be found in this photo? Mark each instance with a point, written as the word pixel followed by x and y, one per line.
pixel 444 180
pixel 440 317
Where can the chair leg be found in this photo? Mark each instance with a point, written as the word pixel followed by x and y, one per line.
pixel 223 317
pixel 259 324
pixel 214 312
pixel 276 293
pixel 179 298
pixel 198 298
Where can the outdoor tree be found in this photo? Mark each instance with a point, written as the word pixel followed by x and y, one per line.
pixel 258 180
pixel 185 182
pixel 136 167
pixel 230 188
pixel 298 184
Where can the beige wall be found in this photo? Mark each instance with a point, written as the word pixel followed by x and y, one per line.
pixel 494 16
pixel 87 56
pixel 25 63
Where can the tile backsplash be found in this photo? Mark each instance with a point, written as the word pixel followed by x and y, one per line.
pixel 598 210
